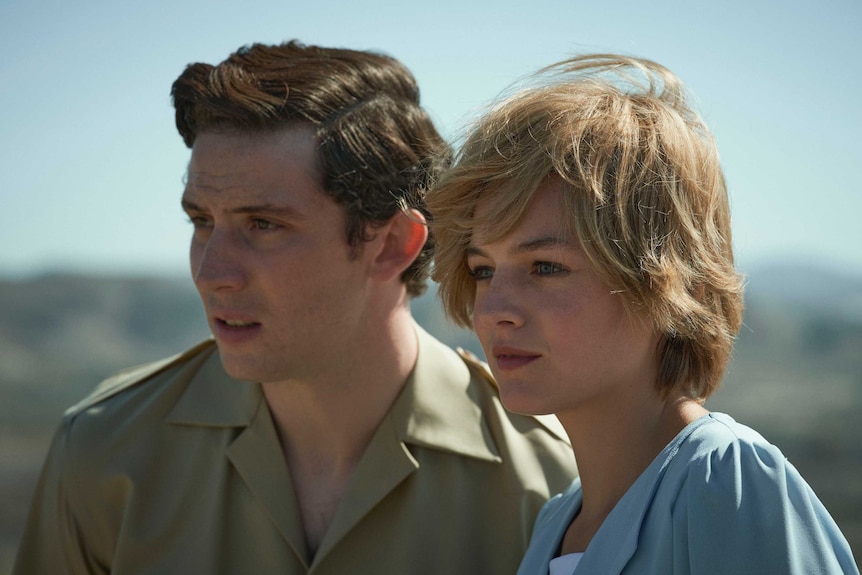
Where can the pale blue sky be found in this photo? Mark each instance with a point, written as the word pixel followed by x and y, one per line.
pixel 91 166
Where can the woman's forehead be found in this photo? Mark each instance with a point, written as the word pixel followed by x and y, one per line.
pixel 540 214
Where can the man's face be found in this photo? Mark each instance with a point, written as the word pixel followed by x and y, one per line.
pixel 282 290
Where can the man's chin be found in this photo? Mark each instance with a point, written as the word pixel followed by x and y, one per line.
pixel 242 367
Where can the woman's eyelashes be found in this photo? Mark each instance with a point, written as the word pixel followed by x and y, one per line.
pixel 479 273
pixel 543 268
pixel 538 268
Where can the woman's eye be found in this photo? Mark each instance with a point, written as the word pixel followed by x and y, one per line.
pixel 481 273
pixel 547 268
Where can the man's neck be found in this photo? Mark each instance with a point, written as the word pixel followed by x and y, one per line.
pixel 325 424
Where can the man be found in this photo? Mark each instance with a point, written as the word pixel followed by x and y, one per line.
pixel 322 431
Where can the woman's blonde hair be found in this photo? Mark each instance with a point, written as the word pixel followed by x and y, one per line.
pixel 645 191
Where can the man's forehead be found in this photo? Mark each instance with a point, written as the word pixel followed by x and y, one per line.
pixel 292 146
pixel 258 164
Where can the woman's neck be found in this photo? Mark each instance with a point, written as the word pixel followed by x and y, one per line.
pixel 613 447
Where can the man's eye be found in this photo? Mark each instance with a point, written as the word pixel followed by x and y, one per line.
pixel 260 224
pixel 481 273
pixel 199 221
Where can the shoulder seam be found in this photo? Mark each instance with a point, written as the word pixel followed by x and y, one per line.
pixel 476 364
pixel 132 376
pixel 548 422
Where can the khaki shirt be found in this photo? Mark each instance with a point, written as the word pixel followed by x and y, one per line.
pixel 175 467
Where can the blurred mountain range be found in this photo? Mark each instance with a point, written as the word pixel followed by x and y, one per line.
pixel 796 375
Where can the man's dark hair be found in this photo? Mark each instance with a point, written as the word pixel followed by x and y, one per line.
pixel 378 150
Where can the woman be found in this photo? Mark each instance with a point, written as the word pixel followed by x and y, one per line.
pixel 584 233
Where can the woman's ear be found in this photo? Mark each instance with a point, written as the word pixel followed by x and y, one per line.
pixel 402 238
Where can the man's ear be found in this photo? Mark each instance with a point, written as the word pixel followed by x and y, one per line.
pixel 402 239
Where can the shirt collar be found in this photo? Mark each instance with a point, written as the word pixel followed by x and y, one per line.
pixel 423 414
pixel 428 413
pixel 213 398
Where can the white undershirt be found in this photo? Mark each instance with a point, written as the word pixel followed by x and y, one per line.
pixel 565 564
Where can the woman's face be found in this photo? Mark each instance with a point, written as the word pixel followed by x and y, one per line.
pixel 556 337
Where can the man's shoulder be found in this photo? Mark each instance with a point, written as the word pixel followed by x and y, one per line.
pixel 453 404
pixel 536 447
pixel 481 374
pixel 126 380
pixel 125 416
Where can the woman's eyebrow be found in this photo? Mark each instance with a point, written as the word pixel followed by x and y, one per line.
pixel 541 244
pixel 529 246
pixel 474 251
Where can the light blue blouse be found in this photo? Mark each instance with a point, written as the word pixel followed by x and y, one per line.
pixel 719 499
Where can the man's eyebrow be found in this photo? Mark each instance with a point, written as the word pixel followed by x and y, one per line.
pixel 266 209
pixel 273 209
pixel 190 206
pixel 528 246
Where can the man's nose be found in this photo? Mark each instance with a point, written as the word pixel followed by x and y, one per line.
pixel 218 262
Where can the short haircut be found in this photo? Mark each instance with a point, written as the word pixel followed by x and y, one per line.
pixel 645 195
pixel 378 150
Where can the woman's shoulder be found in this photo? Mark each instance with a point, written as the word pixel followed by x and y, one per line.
pixel 734 486
pixel 727 464
pixel 717 430
pixel 719 443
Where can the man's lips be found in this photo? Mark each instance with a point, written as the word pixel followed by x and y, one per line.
pixel 230 317
pixel 234 330
pixel 236 322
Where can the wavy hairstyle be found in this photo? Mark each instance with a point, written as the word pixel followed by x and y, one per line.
pixel 644 190
pixel 378 150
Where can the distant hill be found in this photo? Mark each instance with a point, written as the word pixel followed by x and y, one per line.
pixel 796 374
pixel 817 289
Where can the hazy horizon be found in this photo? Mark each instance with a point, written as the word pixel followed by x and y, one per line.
pixel 92 167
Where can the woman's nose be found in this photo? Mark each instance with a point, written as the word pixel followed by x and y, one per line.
pixel 497 304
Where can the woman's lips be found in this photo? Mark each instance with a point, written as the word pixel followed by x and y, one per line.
pixel 510 358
